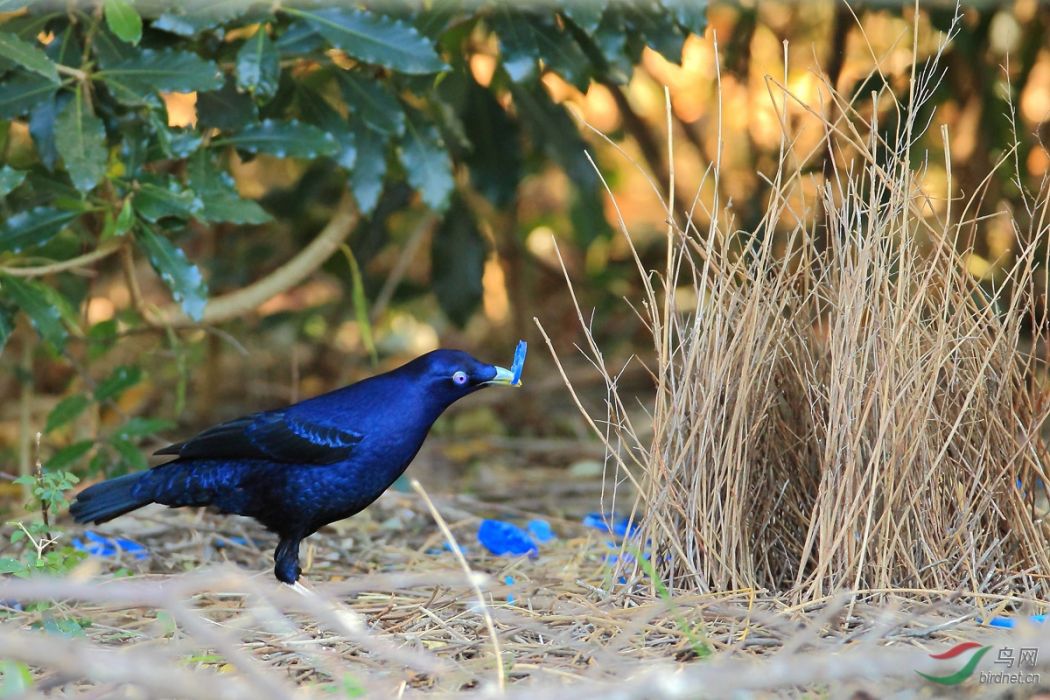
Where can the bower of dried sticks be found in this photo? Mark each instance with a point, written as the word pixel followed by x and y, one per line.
pixel 854 413
pixel 838 474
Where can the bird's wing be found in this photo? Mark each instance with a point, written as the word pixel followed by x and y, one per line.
pixel 273 435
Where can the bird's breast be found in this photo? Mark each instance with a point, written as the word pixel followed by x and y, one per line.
pixel 352 485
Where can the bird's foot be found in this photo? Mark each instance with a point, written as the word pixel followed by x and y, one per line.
pixel 302 590
pixel 346 618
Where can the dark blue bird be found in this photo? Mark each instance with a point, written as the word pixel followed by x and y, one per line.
pixel 298 468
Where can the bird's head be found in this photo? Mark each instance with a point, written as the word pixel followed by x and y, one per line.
pixel 449 375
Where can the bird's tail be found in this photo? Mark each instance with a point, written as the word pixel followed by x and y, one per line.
pixel 109 499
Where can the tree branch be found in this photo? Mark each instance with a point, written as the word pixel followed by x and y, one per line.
pixel 244 300
pixel 103 251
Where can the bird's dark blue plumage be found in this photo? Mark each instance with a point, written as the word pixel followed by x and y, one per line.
pixel 298 468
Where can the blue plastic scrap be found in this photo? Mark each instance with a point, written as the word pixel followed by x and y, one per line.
pixel 1010 622
pixel 447 547
pixel 101 546
pixel 619 526
pixel 519 362
pixel 541 531
pixel 501 537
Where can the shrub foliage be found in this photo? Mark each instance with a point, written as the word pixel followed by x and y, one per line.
pixel 381 104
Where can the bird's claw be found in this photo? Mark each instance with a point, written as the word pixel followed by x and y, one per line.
pixel 302 590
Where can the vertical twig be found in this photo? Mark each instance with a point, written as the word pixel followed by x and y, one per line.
pixel 25 410
pixel 471 577
pixel 45 504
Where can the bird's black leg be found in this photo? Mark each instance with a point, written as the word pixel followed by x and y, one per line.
pixel 286 560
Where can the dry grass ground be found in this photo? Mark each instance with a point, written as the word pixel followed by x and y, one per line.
pixel 394 616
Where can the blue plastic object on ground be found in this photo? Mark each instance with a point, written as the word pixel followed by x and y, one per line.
pixel 519 362
pixel 541 531
pixel 1010 622
pixel 100 546
pixel 500 537
pixel 619 526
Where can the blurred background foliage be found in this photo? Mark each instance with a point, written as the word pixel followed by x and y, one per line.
pixel 215 208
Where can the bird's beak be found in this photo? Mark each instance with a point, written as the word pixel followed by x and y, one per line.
pixel 505 377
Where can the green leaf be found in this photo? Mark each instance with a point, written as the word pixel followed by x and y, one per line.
pixel 652 26
pixel 110 50
pixel 614 58
pixel 138 79
pixel 68 455
pixel 66 410
pixel 21 92
pixel 17 678
pixel 174 143
pixel 122 223
pixel 357 286
pixel 99 462
pixel 227 205
pixel 80 138
pixel 228 109
pixel 32 228
pixel 457 259
pixel 28 55
pixel 161 198
pixel 65 49
pixel 42 117
pixel 258 65
pixel 559 51
pixel 299 39
pixel 10 565
pixel 37 301
pixel 218 192
pixel 183 278
pixel 551 128
pixel 7 327
pixel 139 427
pixel 690 15
pixel 524 39
pixel 366 179
pixel 283 139
pixel 119 380
pixel 101 337
pixel 123 20
pixel 374 39
pixel 495 162
pixel 553 131
pixel 587 14
pixel 131 454
pixel 373 103
pixel 10 179
pixel 517 46
pixel 189 18
pixel 316 110
pixel 427 165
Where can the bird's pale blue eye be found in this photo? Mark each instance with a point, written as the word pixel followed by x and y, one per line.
pixel 460 378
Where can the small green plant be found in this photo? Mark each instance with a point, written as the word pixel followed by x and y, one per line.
pixel 15 678
pixel 694 633
pixel 47 492
pixel 350 687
